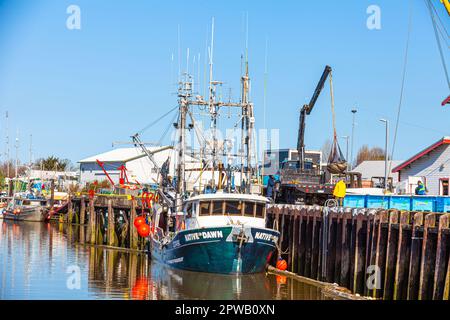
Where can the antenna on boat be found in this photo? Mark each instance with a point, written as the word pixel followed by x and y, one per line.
pixel 212 107
pixel 31 150
pixel 7 145
pixel 179 51
pixel 17 154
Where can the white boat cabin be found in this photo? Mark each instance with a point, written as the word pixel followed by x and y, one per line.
pixel 223 209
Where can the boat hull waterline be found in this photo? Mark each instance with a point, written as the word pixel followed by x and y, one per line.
pixel 28 214
pixel 225 250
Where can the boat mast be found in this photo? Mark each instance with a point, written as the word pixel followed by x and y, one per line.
pixel 184 94
pixel 212 107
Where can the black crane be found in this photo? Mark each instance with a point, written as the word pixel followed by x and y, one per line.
pixel 306 110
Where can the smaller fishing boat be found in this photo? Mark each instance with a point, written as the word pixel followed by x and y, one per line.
pixel 26 207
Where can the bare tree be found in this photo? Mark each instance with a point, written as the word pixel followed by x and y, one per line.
pixel 366 153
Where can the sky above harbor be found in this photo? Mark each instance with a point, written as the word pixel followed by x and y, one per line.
pixel 78 90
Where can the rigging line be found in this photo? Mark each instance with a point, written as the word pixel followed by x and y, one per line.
pixel 157 120
pixel 439 18
pixel 405 63
pixel 167 129
pixel 438 42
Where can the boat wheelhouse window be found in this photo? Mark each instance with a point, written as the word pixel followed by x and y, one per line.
pixel 249 209
pixel 260 207
pixel 204 208
pixel 233 208
pixel 217 208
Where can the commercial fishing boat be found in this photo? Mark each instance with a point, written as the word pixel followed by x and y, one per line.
pixel 221 228
pixel 26 207
pixel 218 233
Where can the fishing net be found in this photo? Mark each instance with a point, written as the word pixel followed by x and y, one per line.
pixel 336 161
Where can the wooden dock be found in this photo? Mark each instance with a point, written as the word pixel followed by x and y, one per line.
pixel 384 254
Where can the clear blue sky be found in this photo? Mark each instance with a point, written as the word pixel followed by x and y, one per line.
pixel 77 91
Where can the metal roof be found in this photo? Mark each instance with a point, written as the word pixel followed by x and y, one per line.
pixel 375 168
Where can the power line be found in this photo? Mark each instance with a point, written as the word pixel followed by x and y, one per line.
pixel 405 63
pixel 438 42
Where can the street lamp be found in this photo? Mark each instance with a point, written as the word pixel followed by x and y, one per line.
pixel 353 137
pixel 346 151
pixel 386 122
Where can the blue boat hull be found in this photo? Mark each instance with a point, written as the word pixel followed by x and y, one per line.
pixel 218 250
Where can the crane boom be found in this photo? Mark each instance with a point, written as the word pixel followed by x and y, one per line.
pixel 306 110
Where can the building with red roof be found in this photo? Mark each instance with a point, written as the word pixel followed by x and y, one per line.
pixel 431 166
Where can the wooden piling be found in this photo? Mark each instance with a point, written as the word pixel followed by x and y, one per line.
pixel 331 246
pixel 391 254
pixel 294 241
pixel 308 243
pixel 92 227
pixel 360 253
pixel 403 257
pixel 112 238
pixel 416 256
pixel 301 252
pixel 428 257
pixel 344 279
pixel 82 211
pixel 338 254
pixel 316 244
pixel 442 257
pixel 69 211
pixel 133 232
pixel 380 255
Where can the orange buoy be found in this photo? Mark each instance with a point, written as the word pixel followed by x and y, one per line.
pixel 140 289
pixel 139 221
pixel 144 230
pixel 281 280
pixel 281 264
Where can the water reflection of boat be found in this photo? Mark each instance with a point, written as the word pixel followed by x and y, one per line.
pixel 25 207
pixel 181 284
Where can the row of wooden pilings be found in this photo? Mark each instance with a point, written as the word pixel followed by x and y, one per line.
pixel 105 221
pixel 384 254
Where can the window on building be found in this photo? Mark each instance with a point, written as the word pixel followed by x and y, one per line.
pixel 444 189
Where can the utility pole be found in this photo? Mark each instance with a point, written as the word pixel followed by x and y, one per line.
pixel 353 137
pixel 346 152
pixel 386 122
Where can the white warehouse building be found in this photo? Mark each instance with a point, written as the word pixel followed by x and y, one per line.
pixel 139 168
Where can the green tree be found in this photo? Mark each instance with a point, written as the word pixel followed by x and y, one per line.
pixel 53 163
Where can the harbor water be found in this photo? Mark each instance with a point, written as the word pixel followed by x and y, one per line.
pixel 45 261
